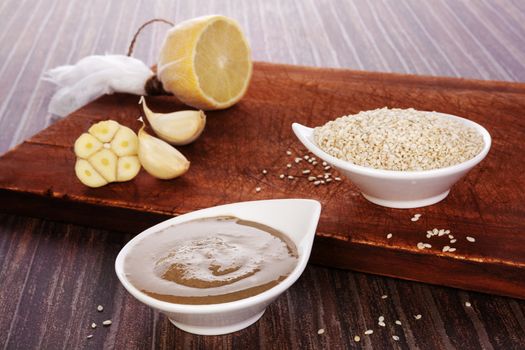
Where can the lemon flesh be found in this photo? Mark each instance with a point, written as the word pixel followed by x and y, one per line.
pixel 206 62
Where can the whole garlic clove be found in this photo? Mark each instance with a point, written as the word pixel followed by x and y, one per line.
pixel 178 128
pixel 159 158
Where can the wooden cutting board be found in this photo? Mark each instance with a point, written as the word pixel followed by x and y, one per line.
pixel 37 177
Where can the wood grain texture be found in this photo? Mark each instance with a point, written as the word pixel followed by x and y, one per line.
pixel 238 143
pixel 53 275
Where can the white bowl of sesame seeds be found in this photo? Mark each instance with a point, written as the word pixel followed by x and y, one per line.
pixel 409 188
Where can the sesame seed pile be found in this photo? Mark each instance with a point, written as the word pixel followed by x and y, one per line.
pixel 399 139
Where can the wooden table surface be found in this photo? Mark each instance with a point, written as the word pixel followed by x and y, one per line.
pixel 53 275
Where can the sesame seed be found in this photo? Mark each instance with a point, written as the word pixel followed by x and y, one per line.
pixel 384 296
pixel 447 231
pixel 317 183
pixel 314 163
pixel 306 157
pixel 382 324
pixel 289 153
pixel 467 304
pixel 320 331
pixel 306 171
pixel 414 219
pixel 357 339
pixel 421 245
pixel 429 233
pixel 427 245
pixel 310 160
pixel 100 308
pixel 328 180
pixel 395 337
pixel 441 232
pixel 264 172
pixel 445 249
pixel 297 159
pixel 418 316
pixel 435 231
pixel 381 318
pixel 322 182
pixel 288 165
pixel 313 159
pixel 452 250
pixel 311 178
pixel 281 176
pixel 257 189
pixel 93 325
pixel 398 322
pixel 90 336
pixel 325 163
pixel 107 323
pixel 290 177
pixel 453 240
pixel 369 331
pixel 389 236
pixel 328 167
pixel 451 236
pixel 471 239
pixel 337 179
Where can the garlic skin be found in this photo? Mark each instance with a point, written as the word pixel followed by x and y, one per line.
pixel 159 158
pixel 178 128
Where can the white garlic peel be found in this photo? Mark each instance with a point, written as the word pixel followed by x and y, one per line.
pixel 107 153
pixel 178 128
pixel 159 158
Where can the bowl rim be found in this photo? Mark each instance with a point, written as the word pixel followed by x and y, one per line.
pixel 305 135
pixel 267 295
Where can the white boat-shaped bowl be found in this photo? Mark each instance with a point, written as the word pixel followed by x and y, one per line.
pixel 400 189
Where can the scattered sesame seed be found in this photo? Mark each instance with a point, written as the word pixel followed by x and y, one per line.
pixel 369 331
pixel 452 250
pixel 445 249
pixel 467 304
pixel 430 233
pixel 441 232
pixel 310 160
pixel 100 308
pixel 389 236
pixel 427 245
pixel 435 231
pixel 290 177
pixel 382 324
pixel 328 167
pixel 328 180
pixel 325 163
pixel 314 163
pixel 264 172
pixel 107 323
pixel 418 316
pixel 319 176
pixel 398 322
pixel 317 183
pixel 327 174
pixel 357 339
pixel 395 337
pixel 451 236
pixel 281 176
pixel 297 159
pixel 447 231
pixel 306 171
pixel 93 325
pixel 257 189
pixel 337 179
pixel 90 336
pixel 421 245
pixel 414 219
pixel 453 240
pixel 384 296
pixel 471 239
pixel 381 318
pixel 311 178
pixel 289 153
pixel 320 331
pixel 322 182
pixel 288 165
pixel 306 157
pixel 313 159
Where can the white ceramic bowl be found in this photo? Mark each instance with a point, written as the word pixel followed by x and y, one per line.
pixel 297 218
pixel 399 189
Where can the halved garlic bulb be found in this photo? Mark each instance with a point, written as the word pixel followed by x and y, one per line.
pixel 178 128
pixel 159 158
pixel 107 153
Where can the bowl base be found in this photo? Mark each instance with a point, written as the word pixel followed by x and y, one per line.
pixel 407 204
pixel 202 330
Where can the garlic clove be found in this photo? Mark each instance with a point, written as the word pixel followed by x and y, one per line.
pixel 127 168
pixel 88 175
pixel 104 130
pixel 159 158
pixel 178 128
pixel 125 142
pixel 105 162
pixel 86 145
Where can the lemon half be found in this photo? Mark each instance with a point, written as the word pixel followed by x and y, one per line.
pixel 206 62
